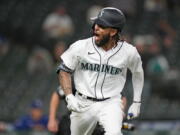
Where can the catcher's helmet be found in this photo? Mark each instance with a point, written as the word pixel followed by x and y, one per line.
pixel 110 17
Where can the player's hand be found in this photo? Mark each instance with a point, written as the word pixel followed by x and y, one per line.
pixel 73 104
pixel 134 111
pixel 53 125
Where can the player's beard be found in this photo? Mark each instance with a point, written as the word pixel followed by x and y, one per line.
pixel 105 39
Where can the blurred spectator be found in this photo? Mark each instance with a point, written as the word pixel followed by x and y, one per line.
pixel 59 48
pixel 127 37
pixel 40 61
pixel 58 24
pixel 157 68
pixel 4 46
pixel 168 36
pixel 141 43
pixel 164 28
pixel 35 120
pixel 158 64
pixel 92 12
pixel 128 7
pixel 155 5
pixel 169 50
pixel 174 6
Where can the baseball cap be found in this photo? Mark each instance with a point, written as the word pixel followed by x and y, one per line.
pixel 36 104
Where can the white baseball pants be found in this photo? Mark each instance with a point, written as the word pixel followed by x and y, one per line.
pixel 108 113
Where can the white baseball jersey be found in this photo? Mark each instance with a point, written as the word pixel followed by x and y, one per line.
pixel 99 73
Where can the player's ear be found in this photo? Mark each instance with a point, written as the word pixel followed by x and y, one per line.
pixel 113 32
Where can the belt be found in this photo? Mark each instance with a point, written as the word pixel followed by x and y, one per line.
pixel 91 98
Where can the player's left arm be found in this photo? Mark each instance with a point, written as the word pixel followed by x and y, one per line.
pixel 138 82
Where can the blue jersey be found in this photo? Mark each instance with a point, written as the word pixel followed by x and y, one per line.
pixel 27 123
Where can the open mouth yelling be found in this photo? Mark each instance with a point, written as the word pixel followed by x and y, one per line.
pixel 96 36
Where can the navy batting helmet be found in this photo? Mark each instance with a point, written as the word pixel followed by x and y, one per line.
pixel 110 17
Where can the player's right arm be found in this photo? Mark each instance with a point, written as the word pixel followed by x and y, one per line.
pixel 66 68
pixel 69 63
pixel 65 82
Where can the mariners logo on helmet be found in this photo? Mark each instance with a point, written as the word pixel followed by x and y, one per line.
pixel 101 13
pixel 110 17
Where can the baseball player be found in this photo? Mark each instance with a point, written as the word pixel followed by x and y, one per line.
pixel 99 65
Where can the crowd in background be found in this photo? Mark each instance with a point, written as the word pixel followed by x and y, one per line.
pixel 153 26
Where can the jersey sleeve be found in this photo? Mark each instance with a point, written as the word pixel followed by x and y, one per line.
pixel 70 56
pixel 135 65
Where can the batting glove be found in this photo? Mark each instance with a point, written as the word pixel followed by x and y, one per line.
pixel 73 104
pixel 134 110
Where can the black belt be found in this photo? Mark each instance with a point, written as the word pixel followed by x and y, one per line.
pixel 91 98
